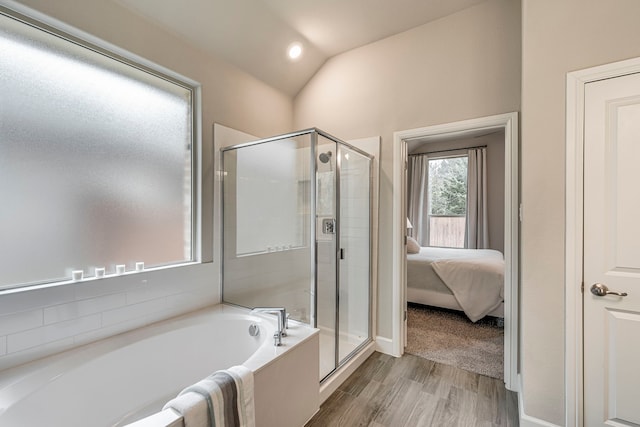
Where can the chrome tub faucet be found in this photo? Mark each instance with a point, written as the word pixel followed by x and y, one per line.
pixel 281 312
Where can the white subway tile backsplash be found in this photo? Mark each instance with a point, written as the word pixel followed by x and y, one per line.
pixel 106 286
pixel 183 301
pixel 133 311
pixel 15 301
pixel 46 334
pixel 149 292
pixel 18 322
pixel 40 321
pixel 175 305
pixel 72 310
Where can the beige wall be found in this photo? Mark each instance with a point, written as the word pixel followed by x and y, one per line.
pixel 463 66
pixel 558 37
pixel 229 96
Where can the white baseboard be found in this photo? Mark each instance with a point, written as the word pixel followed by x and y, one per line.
pixel 526 420
pixel 385 345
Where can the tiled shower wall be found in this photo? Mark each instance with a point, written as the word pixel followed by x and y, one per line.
pixel 40 321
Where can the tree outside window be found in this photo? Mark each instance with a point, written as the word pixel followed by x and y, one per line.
pixel 447 201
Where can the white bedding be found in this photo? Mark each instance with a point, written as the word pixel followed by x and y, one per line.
pixel 475 277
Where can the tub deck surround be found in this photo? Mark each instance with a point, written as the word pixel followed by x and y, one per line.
pixel 121 379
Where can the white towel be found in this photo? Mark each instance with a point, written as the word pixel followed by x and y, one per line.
pixel 244 383
pixel 223 399
pixel 192 407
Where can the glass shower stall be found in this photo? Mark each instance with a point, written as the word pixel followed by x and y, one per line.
pixel 297 234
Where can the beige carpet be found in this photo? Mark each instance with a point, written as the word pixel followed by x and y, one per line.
pixel 449 337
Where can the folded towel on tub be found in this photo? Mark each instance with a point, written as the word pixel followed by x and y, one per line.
pixel 223 399
pixel 193 408
pixel 243 378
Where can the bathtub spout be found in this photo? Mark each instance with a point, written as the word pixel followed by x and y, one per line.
pixel 282 321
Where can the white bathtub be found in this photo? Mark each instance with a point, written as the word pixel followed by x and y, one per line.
pixel 122 379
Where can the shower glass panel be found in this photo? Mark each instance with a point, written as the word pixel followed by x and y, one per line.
pixel 267 250
pixel 326 245
pixel 296 234
pixel 354 252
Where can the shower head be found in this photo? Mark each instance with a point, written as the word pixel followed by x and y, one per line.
pixel 325 157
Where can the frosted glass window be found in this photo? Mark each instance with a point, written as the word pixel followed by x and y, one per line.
pixel 95 161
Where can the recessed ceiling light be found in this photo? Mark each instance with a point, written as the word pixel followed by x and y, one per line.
pixel 294 51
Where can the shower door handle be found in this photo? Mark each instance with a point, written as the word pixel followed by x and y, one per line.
pixel 341 253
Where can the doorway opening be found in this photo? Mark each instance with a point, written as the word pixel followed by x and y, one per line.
pixel 506 127
pixel 455 202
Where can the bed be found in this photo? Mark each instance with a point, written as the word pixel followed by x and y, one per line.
pixel 469 280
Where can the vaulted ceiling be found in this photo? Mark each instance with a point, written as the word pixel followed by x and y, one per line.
pixel 254 34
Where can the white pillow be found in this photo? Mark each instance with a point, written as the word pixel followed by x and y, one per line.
pixel 412 245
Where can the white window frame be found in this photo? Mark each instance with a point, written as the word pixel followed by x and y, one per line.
pixel 441 157
pixel 58 28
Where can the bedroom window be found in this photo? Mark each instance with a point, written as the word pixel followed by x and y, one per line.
pixel 96 155
pixel 447 201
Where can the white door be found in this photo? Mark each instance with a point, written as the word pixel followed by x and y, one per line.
pixel 612 252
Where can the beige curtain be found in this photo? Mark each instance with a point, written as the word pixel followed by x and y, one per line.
pixel 417 179
pixel 477 229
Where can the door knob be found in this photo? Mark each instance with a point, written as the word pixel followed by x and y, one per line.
pixel 600 290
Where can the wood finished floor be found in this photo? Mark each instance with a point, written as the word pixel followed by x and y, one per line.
pixel 414 392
